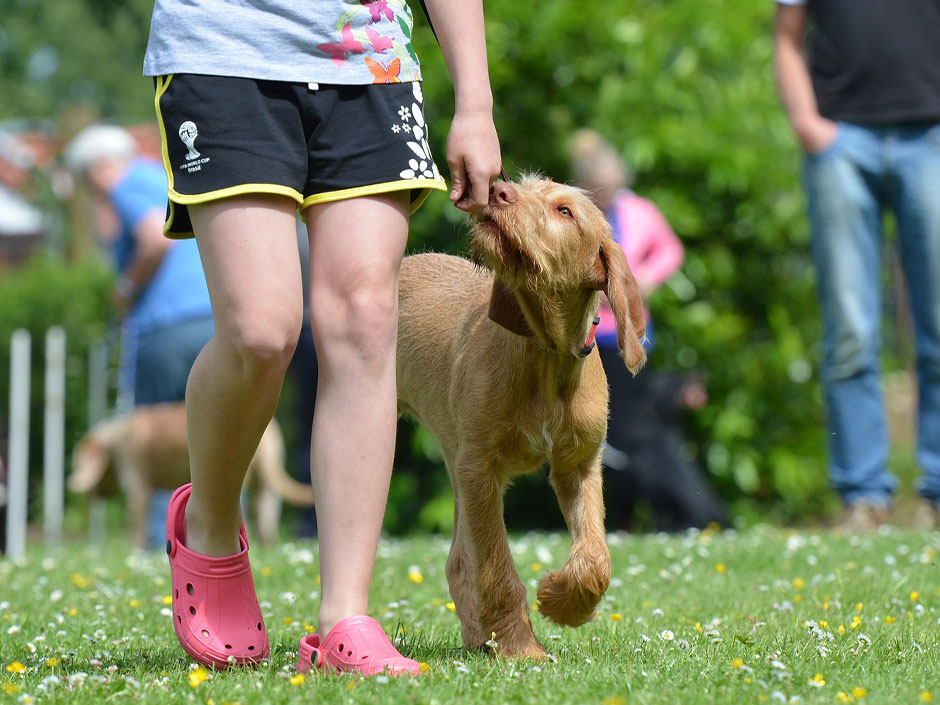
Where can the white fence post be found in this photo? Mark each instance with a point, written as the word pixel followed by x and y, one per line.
pixel 54 438
pixel 20 344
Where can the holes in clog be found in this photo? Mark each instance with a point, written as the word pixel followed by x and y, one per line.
pixel 228 646
pixel 205 633
pixel 176 594
pixel 260 626
pixel 190 589
pixel 251 648
pixel 192 610
pixel 179 619
pixel 340 648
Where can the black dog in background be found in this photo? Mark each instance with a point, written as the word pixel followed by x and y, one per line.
pixel 643 459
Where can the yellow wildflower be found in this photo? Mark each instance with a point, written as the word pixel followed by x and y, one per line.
pixel 925 696
pixel 266 570
pixel 914 595
pixel 536 567
pixel 451 606
pixel 423 667
pixel 197 677
pixel 167 600
pixel 858 692
pixel 16 667
pixel 890 620
pixel 297 679
pixel 720 568
pixel 843 697
pixel 52 662
pixel 737 663
pixel 798 583
pixel 817 681
pixel 11 688
pixel 616 617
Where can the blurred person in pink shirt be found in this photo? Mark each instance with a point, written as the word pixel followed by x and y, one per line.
pixel 643 451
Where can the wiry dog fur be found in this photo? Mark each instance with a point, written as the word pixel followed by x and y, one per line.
pixel 502 403
pixel 146 449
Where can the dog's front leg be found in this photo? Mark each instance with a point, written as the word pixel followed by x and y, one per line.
pixel 501 596
pixel 570 595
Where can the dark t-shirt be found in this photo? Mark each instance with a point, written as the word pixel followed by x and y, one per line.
pixel 876 61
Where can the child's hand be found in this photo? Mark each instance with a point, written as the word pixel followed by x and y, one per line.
pixel 473 157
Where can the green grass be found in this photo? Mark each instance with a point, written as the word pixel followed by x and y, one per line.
pixel 732 617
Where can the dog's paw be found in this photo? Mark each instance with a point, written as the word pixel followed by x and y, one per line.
pixel 565 601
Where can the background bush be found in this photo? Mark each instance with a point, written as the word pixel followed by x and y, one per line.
pixel 685 89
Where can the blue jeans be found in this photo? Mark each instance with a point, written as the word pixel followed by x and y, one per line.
pixel 869 170
pixel 163 360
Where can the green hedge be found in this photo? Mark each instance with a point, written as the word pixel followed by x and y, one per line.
pixel 47 292
pixel 685 89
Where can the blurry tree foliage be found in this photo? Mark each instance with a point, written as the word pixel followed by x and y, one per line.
pixel 685 89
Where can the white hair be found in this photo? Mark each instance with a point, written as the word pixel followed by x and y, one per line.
pixel 98 142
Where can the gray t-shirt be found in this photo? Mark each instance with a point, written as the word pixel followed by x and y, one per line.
pixel 349 42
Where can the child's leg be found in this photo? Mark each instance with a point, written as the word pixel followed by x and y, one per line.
pixel 356 248
pixel 249 252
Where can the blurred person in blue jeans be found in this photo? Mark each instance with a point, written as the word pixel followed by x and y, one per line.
pixel 862 94
pixel 160 292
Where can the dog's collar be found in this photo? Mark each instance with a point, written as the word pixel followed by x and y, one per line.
pixel 505 311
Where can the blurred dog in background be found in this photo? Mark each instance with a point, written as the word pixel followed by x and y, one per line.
pixel 146 449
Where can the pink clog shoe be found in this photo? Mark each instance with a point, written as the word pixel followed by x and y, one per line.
pixel 357 644
pixel 215 610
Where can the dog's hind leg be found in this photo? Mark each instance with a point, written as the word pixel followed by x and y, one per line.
pixel 460 580
pixel 503 608
pixel 570 595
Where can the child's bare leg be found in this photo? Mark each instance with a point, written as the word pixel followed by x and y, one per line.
pixel 249 253
pixel 356 248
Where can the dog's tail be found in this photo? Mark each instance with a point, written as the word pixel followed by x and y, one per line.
pixel 269 464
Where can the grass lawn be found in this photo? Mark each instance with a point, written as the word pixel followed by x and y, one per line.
pixel 757 616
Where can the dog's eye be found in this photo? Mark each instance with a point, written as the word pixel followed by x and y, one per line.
pixel 564 210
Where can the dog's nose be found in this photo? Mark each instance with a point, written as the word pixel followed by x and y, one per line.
pixel 502 194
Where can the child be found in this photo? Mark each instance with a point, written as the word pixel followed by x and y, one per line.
pixel 267 107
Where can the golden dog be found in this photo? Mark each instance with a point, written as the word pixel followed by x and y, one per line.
pixel 146 449
pixel 498 365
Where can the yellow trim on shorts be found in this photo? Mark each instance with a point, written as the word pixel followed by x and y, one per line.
pixel 425 186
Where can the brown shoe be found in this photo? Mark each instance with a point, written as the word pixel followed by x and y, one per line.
pixel 863 517
pixel 926 515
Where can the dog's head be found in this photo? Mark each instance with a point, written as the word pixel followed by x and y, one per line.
pixel 92 469
pixel 539 236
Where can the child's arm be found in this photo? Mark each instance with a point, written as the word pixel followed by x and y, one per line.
pixel 472 145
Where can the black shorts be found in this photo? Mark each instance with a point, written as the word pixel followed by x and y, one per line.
pixel 314 143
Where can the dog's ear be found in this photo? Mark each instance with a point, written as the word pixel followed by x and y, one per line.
pixel 612 275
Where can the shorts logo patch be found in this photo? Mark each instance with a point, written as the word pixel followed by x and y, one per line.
pixel 188 134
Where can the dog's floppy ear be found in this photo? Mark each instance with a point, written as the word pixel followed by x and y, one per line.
pixel 613 276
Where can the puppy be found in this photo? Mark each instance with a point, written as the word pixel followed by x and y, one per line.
pixel 146 449
pixel 498 363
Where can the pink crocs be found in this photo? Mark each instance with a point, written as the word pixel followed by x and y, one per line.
pixel 215 610
pixel 356 644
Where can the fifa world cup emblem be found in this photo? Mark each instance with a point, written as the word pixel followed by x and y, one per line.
pixel 188 133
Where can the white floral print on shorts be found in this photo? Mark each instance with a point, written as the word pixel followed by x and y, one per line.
pixel 413 130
